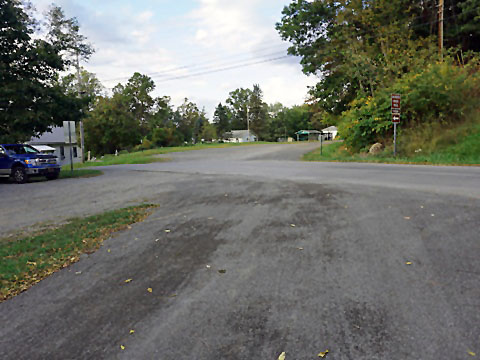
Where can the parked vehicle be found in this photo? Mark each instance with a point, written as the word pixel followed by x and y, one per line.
pixel 21 161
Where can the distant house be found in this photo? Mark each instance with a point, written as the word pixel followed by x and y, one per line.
pixel 330 133
pixel 240 136
pixel 56 140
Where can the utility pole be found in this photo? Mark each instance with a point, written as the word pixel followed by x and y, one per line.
pixel 440 28
pixel 248 126
pixel 82 141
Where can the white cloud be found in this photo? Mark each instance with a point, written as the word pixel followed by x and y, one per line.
pixel 153 39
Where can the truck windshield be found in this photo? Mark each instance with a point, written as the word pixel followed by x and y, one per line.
pixel 20 149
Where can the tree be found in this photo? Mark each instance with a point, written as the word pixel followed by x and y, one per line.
pixel 238 107
pixel 111 126
pixel 162 113
pixel 258 113
pixel 185 118
pixel 137 93
pixel 31 100
pixel 209 132
pixel 89 86
pixel 65 35
pixel 221 120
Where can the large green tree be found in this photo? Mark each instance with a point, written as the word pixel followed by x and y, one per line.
pixel 111 126
pixel 258 113
pixel 31 100
pixel 187 118
pixel 221 120
pixel 238 107
pixel 137 92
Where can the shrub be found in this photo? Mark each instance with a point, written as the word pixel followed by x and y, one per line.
pixel 442 93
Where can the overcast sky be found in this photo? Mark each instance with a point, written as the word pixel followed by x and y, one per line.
pixel 172 41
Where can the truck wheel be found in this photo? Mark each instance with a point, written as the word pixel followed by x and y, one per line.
pixel 19 175
pixel 52 176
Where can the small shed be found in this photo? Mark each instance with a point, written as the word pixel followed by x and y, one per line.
pixel 308 135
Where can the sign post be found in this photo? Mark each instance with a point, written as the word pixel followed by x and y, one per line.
pixel 70 136
pixel 321 143
pixel 395 119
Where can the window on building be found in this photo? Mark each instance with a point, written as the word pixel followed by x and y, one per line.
pixel 62 152
pixel 75 152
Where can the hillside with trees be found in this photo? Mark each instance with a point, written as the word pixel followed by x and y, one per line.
pixel 363 51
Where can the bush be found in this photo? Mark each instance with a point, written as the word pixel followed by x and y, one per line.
pixel 443 93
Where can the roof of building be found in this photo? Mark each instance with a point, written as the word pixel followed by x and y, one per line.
pixel 330 128
pixel 240 133
pixel 307 132
pixel 57 136
pixel 43 148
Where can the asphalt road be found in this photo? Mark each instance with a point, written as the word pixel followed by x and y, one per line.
pixel 338 279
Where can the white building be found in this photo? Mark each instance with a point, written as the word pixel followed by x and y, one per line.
pixel 56 140
pixel 329 133
pixel 240 136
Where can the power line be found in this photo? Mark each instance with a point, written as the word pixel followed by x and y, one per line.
pixel 209 63
pixel 181 77
pixel 225 68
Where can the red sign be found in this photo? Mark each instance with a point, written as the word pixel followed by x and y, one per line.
pixel 396 103
pixel 396 118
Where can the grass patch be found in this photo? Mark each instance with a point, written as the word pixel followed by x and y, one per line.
pixel 147 156
pixel 459 145
pixel 84 173
pixel 28 260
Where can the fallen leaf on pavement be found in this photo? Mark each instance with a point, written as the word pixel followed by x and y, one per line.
pixel 78 273
pixel 157 240
pixel 208 266
pixel 421 206
pixel 282 356
pixel 222 271
pixel 323 354
pixel 406 217
pixel 122 347
pixel 292 225
pixel 128 280
pixel 471 353
pixel 108 250
pixel 132 331
pixel 408 263
pixel 167 231
pixel 149 290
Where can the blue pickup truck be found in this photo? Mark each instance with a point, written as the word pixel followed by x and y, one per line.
pixel 20 161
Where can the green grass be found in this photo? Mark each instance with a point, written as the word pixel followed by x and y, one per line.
pixel 148 156
pixel 433 145
pixel 27 260
pixel 455 155
pixel 84 173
